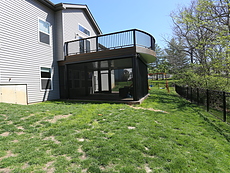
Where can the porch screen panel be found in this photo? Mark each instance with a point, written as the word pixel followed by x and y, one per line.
pixel 142 82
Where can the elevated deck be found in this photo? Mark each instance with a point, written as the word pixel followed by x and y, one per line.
pixel 111 46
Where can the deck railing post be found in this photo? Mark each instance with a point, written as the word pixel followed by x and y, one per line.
pixel 66 49
pixel 224 107
pixel 97 44
pixel 134 38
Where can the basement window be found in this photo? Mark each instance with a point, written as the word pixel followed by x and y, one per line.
pixel 46 79
pixel 44 32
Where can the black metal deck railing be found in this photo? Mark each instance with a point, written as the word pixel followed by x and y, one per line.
pixel 117 40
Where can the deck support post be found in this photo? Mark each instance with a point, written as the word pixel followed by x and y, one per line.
pixel 135 80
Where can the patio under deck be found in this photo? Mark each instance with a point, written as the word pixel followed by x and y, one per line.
pixel 92 67
pixel 107 98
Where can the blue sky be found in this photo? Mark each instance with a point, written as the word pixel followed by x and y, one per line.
pixel 151 16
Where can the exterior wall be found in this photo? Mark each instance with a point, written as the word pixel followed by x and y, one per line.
pixel 59 48
pixel 71 19
pixel 21 53
pixel 68 21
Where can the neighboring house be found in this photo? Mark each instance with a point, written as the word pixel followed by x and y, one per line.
pixel 50 51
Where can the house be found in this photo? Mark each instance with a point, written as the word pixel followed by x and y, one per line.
pixel 51 51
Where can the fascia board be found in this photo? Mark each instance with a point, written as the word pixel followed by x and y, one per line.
pixel 86 9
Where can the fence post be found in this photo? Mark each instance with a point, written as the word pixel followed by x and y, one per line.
pixel 207 94
pixel 197 96
pixel 224 107
pixel 191 94
pixel 187 93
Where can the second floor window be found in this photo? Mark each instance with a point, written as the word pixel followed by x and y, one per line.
pixel 84 30
pixel 44 32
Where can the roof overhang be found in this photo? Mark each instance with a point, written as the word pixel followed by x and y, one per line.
pixel 63 6
pixel 87 12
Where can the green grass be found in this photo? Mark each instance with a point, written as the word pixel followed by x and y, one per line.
pixel 164 134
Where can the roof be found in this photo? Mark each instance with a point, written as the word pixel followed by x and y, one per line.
pixel 63 6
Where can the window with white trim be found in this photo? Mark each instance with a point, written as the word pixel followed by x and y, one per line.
pixel 46 78
pixel 84 30
pixel 44 31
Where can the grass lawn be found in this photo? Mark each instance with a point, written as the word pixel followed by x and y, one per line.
pixel 164 134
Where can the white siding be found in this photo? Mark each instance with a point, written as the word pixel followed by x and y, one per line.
pixel 21 54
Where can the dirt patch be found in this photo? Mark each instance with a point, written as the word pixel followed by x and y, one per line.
pixel 4 116
pixel 9 122
pixel 58 117
pixel 20 128
pixel 52 138
pixel 80 139
pixel 5 170
pixel 5 134
pixel 49 168
pixel 150 109
pixel 26 165
pixel 83 157
pixel 15 141
pixel 8 154
pixel 67 157
pixel 147 169
pixel 24 118
pixel 20 133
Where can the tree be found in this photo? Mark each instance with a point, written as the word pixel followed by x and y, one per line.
pixel 176 57
pixel 203 29
pixel 161 64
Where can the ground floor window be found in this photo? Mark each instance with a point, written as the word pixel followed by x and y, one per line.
pixel 46 78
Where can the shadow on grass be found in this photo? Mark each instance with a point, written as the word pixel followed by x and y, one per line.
pixel 70 102
pixel 162 97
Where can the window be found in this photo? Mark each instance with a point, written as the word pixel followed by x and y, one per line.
pixel 84 30
pixel 46 82
pixel 44 32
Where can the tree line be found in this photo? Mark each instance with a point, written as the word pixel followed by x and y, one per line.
pixel 198 53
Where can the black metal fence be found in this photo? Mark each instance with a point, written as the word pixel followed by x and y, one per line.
pixel 117 40
pixel 215 102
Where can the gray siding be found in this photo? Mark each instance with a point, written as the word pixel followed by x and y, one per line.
pixel 67 21
pixel 59 48
pixel 71 19
pixel 21 54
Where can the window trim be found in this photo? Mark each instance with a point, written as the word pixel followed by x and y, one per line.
pixel 49 34
pixel 84 28
pixel 51 78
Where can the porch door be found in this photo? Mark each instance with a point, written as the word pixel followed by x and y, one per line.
pixel 104 80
